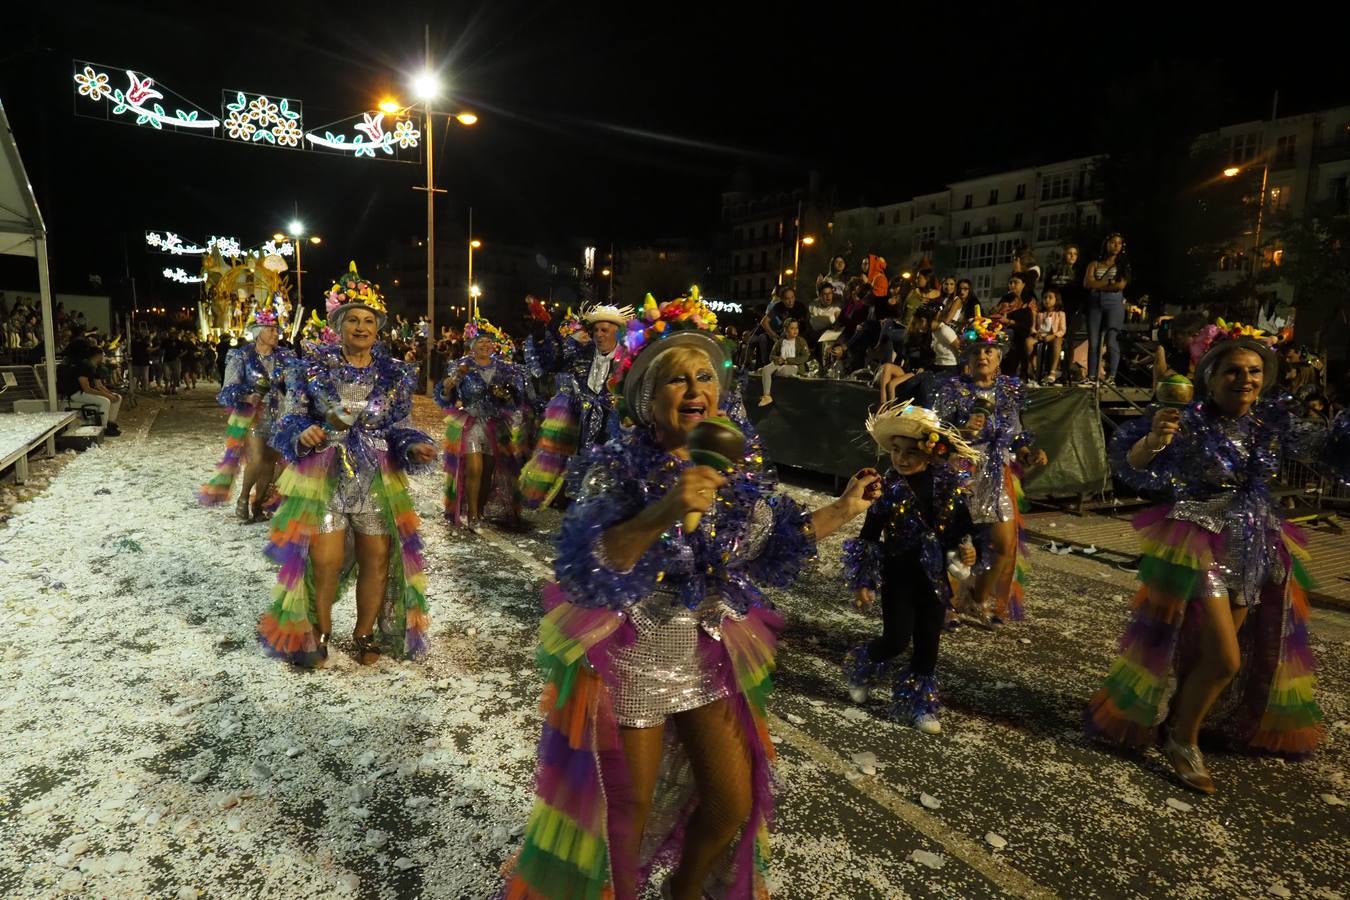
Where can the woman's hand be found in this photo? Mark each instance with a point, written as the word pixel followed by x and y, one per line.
pixel 1166 425
pixel 966 554
pixel 695 491
pixel 974 425
pixel 312 437
pixel 422 453
pixel 863 598
pixel 863 488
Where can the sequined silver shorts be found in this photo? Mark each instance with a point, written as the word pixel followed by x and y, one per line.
pixel 990 501
pixel 476 438
pixel 368 523
pixel 664 671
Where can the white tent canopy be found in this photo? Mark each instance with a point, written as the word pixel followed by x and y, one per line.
pixel 22 233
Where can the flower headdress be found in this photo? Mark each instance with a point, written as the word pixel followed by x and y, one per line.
pixel 1213 341
pixel 683 322
pixel 274 316
pixel 570 325
pixel 983 332
pixel 351 291
pixel 481 327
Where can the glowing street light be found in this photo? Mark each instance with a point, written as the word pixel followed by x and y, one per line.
pixel 296 228
pixel 475 292
pixel 906 275
pixel 475 243
pixel 466 118
pixel 278 236
pixel 390 105
pixel 1231 171
pixel 315 239
pixel 426 86
pixel 808 240
pixel 605 273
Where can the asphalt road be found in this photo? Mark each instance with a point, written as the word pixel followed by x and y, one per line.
pixel 128 669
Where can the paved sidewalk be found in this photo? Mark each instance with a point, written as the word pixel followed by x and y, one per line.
pixel 1330 566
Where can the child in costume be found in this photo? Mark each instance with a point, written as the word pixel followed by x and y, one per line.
pixel 902 555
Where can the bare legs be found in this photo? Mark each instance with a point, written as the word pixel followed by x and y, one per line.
pixel 258 472
pixel 1218 664
pixel 992 587
pixel 722 767
pixel 477 483
pixel 326 555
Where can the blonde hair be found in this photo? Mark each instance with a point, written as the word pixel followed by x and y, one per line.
pixel 665 365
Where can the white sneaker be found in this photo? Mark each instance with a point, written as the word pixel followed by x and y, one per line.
pixel 859 693
pixel 928 724
pixel 765 400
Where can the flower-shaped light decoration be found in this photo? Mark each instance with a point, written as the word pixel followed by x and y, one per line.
pixel 93 85
pixel 406 134
pixel 240 126
pixel 263 111
pixel 287 133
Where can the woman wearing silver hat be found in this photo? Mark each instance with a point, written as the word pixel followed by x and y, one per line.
pixel 1222 597
pixel 657 629
pixel 252 388
pixel 346 429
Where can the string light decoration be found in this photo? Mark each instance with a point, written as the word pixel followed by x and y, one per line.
pixel 139 99
pixel 370 136
pixel 182 277
pixel 245 118
pixel 254 118
pixel 171 243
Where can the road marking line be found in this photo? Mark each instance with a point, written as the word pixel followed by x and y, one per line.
pixel 972 853
pixel 1008 879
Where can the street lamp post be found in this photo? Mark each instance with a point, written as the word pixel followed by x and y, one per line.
pixel 296 230
pixel 474 244
pixel 427 88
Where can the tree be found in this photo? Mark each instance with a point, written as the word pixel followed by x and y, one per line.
pixel 1163 192
pixel 1315 261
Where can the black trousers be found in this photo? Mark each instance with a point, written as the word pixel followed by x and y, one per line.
pixel 911 614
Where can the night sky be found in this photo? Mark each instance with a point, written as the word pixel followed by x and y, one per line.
pixel 599 121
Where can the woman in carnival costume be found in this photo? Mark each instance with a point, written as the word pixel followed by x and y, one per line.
pixel 987 407
pixel 902 552
pixel 253 387
pixel 346 429
pixel 582 414
pixel 658 645
pixel 487 399
pixel 1222 598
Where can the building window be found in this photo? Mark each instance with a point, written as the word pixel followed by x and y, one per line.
pixel 1278 199
pixel 968 202
pixel 984 255
pixel 1056 187
pixel 1090 221
pixel 763 285
pixel 963 257
pixel 1021 192
pixel 1054 226
pixel 991 224
pixel 993 197
pixel 1284 150
pixel 965 229
pixel 1245 147
pixel 1006 248
pixel 895 217
pixel 737 237
pixel 982 284
pixel 924 238
pixel 1017 221
pixel 736 264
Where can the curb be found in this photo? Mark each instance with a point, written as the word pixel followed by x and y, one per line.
pixel 1315 597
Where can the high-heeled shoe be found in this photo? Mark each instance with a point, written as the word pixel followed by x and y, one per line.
pixel 367 649
pixel 1188 765
pixel 241 509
